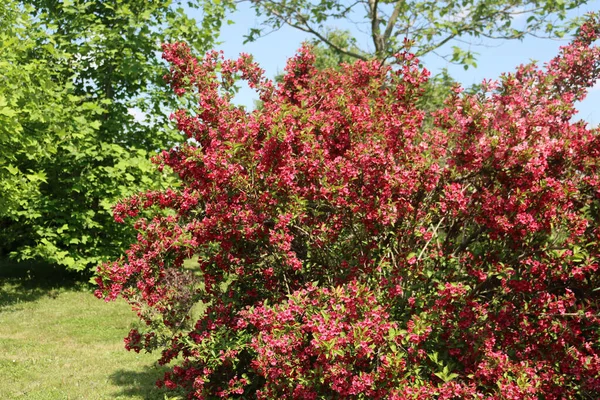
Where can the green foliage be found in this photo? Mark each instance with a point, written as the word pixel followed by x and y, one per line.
pixel 327 57
pixel 83 107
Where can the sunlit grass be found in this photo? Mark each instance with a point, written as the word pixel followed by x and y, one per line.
pixel 57 341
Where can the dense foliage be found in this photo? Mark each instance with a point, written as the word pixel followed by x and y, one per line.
pixel 348 250
pixel 73 77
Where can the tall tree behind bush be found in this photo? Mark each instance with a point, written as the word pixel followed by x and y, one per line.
pixel 75 74
pixel 430 24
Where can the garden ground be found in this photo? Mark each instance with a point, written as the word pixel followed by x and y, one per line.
pixel 57 341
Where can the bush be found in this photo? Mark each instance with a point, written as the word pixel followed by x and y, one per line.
pixel 348 250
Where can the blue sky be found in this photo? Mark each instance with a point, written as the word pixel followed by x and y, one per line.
pixel 272 51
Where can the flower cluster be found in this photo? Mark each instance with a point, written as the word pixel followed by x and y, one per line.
pixel 345 248
pixel 336 342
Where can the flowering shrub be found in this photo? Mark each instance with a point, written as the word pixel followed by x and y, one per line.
pixel 344 250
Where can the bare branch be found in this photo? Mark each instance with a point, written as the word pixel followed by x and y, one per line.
pixel 437 45
pixel 305 27
pixel 375 26
pixel 392 21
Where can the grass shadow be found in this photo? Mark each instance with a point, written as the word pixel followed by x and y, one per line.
pixel 142 384
pixel 22 282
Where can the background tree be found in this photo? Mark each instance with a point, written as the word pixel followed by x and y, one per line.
pixel 327 57
pixel 430 24
pixel 84 106
pixel 38 116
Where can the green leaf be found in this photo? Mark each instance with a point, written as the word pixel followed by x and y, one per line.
pixel 12 169
pixel 7 112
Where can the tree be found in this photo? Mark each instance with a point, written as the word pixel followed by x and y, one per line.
pixel 76 74
pixel 346 249
pixel 430 24
pixel 38 115
pixel 327 57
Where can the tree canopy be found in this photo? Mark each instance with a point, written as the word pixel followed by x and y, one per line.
pixel 83 107
pixel 429 24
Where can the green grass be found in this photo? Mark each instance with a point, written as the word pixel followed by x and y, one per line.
pixel 57 341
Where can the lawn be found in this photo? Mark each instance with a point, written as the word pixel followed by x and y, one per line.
pixel 57 341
